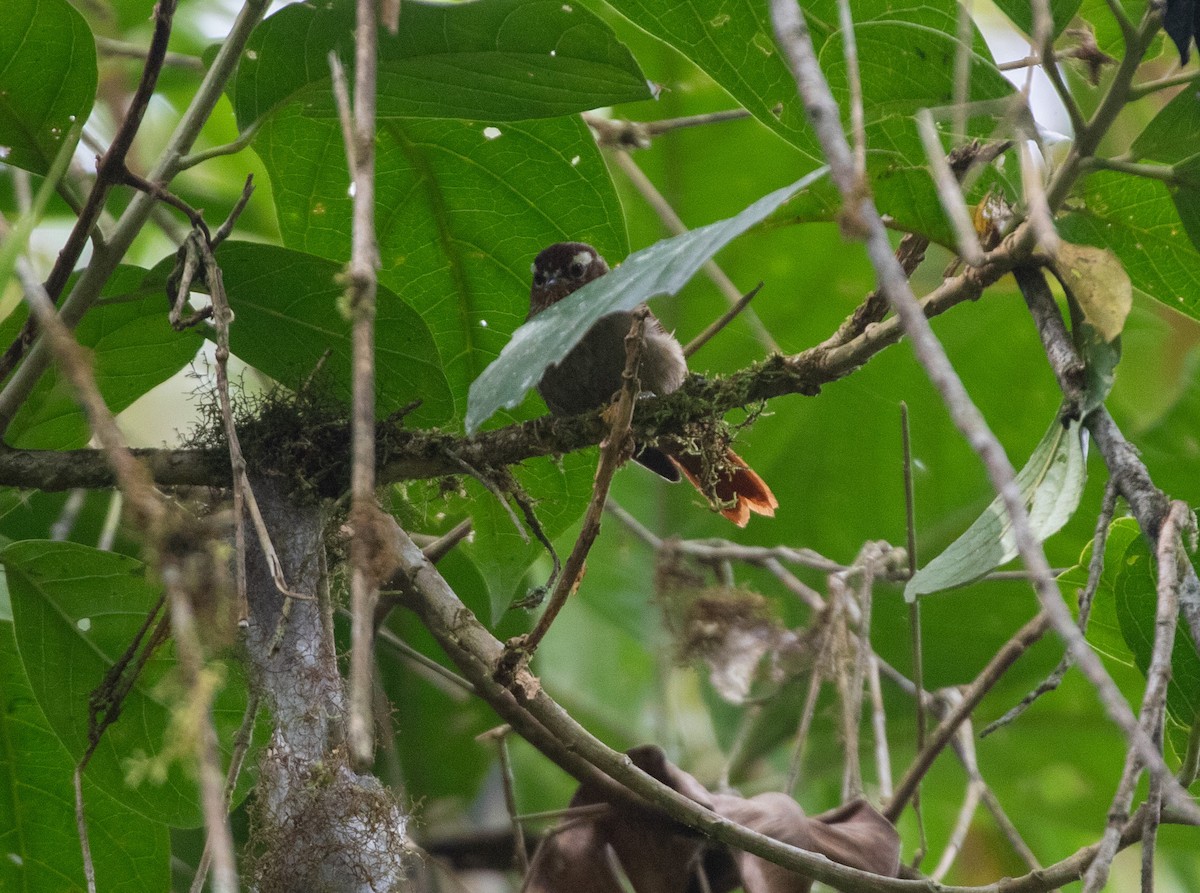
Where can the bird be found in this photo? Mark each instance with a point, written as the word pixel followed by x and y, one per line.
pixel 590 374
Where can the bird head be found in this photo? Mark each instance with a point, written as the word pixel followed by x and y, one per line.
pixel 559 270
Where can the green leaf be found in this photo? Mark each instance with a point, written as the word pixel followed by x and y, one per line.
pixel 286 306
pixel 561 489
pixel 1170 137
pixel 1098 14
pixel 1104 629
pixel 1135 589
pixel 1185 193
pixel 47 79
pixel 501 60
pixel 500 557
pixel 1020 12
pixel 76 610
pixel 1051 483
pixel 37 808
pixel 906 54
pixel 661 269
pixel 133 349
pixel 1134 217
pixel 461 212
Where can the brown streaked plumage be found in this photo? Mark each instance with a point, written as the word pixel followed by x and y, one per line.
pixel 590 375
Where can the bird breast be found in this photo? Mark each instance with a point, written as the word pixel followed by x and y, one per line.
pixel 590 374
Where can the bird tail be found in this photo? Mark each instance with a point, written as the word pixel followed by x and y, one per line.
pixel 738 490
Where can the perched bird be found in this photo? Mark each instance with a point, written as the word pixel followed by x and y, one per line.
pixel 589 376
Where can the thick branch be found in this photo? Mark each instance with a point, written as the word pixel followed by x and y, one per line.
pixel 413 455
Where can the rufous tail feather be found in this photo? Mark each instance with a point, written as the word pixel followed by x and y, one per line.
pixel 739 489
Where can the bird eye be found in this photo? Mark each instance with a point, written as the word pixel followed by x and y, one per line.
pixel 576 270
pixel 539 278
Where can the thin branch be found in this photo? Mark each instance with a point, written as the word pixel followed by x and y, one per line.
pixel 81 829
pixel 883 756
pixel 858 127
pixel 1095 569
pixel 109 171
pixel 1179 522
pixel 793 37
pixel 616 133
pixel 1147 88
pixel 543 722
pixel 199 699
pixel 232 148
pixel 721 322
pixel 358 125
pixel 971 696
pixel 949 192
pixel 1162 172
pixel 615 450
pixel 675 226
pixel 106 46
pixel 241 746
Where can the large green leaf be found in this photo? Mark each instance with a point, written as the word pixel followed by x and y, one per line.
pixel 38 834
pixel 661 269
pixel 133 349
pixel 500 555
pixel 1104 628
pixel 1136 219
pixel 1021 13
pixel 1121 626
pixel 47 79
pixel 906 53
pixel 76 609
pixel 499 60
pixel 1170 137
pixel 286 305
pixel 1051 483
pixel 1136 592
pixel 462 210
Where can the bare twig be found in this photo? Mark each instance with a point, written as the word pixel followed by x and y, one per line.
pixel 241 746
pixel 105 257
pixel 232 148
pixel 858 127
pixel 883 756
pixel 543 722
pixel 361 282
pixel 721 322
pixel 617 447
pixel 966 814
pixel 675 226
pixel 949 192
pixel 971 696
pixel 81 829
pixel 179 590
pixel 616 133
pixel 1169 554
pixel 1095 568
pixel 110 171
pixel 792 35
pixel 500 736
pixel 106 46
